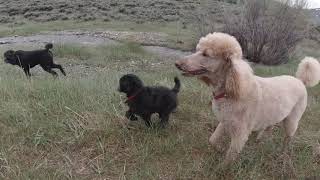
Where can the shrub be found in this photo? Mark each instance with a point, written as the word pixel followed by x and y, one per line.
pixel 268 31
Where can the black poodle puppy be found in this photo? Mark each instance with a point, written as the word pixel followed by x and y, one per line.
pixel 144 101
pixel 29 59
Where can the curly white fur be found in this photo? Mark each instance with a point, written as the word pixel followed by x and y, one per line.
pixel 252 103
pixel 221 45
pixel 309 71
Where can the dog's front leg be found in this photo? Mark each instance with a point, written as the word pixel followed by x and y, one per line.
pixel 27 71
pixel 164 120
pixel 239 136
pixel 147 119
pixel 217 136
pixel 130 115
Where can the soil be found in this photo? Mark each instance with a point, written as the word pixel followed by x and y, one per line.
pixel 90 39
pixel 151 41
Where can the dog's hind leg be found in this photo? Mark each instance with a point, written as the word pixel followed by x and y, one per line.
pixel 263 133
pixel 27 71
pixel 49 70
pixel 58 66
pixel 291 122
pixel 165 114
pixel 164 119
pixel 147 119
pixel 290 125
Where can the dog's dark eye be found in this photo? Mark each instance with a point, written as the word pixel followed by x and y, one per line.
pixel 205 54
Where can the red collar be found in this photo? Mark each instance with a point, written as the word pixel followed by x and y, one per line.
pixel 219 96
pixel 133 96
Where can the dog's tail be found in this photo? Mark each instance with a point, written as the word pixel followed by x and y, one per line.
pixel 309 71
pixel 48 46
pixel 177 85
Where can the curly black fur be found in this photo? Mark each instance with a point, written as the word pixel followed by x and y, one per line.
pixel 144 101
pixel 29 59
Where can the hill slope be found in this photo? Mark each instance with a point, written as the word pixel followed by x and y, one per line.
pixel 136 10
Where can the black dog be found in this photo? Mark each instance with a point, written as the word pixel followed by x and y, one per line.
pixel 144 101
pixel 29 59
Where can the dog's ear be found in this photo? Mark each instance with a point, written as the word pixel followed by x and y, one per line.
pixel 16 53
pixel 232 82
pixel 9 53
pixel 137 83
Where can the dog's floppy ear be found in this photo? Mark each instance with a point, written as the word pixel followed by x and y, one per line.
pixel 16 53
pixel 232 82
pixel 12 53
pixel 9 53
pixel 136 82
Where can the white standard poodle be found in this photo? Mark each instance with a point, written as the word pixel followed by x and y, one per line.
pixel 242 101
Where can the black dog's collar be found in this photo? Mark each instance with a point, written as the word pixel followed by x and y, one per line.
pixel 133 96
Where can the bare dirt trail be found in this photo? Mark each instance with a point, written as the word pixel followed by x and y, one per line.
pixel 155 41
pixel 92 39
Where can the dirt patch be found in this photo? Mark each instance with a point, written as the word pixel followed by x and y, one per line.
pixel 167 52
pixel 144 38
pixel 61 38
pixel 152 41
pixel 82 69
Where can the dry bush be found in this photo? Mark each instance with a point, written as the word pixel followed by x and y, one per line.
pixel 268 31
pixel 314 33
pixel 209 17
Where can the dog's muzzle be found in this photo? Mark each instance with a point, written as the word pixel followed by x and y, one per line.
pixel 186 72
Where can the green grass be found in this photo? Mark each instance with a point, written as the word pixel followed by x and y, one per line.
pixel 103 55
pixel 74 127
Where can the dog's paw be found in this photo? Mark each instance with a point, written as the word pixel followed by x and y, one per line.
pixel 219 148
pixel 148 124
pixel 163 124
pixel 133 118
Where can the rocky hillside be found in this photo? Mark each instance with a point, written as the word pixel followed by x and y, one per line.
pixel 133 10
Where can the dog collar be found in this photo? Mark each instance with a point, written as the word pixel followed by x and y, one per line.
pixel 219 96
pixel 130 98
